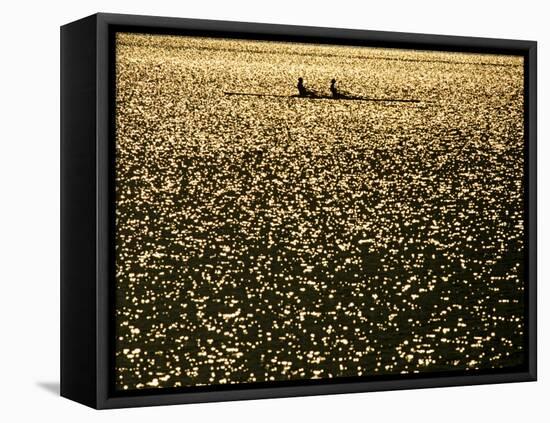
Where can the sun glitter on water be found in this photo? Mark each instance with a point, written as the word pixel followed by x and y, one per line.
pixel 281 238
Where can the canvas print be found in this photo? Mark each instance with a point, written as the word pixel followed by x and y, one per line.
pixel 293 212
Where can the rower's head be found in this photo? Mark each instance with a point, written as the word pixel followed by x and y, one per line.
pixel 333 81
pixel 300 79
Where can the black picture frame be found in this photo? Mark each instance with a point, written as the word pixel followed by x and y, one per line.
pixel 87 154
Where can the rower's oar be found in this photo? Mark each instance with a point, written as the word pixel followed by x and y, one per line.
pixel 317 97
pixel 255 94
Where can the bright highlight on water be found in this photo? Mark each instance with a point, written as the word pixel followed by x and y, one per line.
pixel 368 226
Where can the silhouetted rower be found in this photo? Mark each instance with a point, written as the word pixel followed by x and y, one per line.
pixel 333 89
pixel 303 92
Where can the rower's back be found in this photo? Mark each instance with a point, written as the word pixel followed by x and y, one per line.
pixel 301 88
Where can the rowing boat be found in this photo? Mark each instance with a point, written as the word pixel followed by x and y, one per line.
pixel 319 97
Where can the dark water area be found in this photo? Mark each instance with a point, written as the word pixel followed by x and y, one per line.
pixel 273 239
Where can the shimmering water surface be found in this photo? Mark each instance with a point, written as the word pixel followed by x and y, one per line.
pixel 281 238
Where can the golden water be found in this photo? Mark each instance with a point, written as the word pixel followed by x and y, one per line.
pixel 281 238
